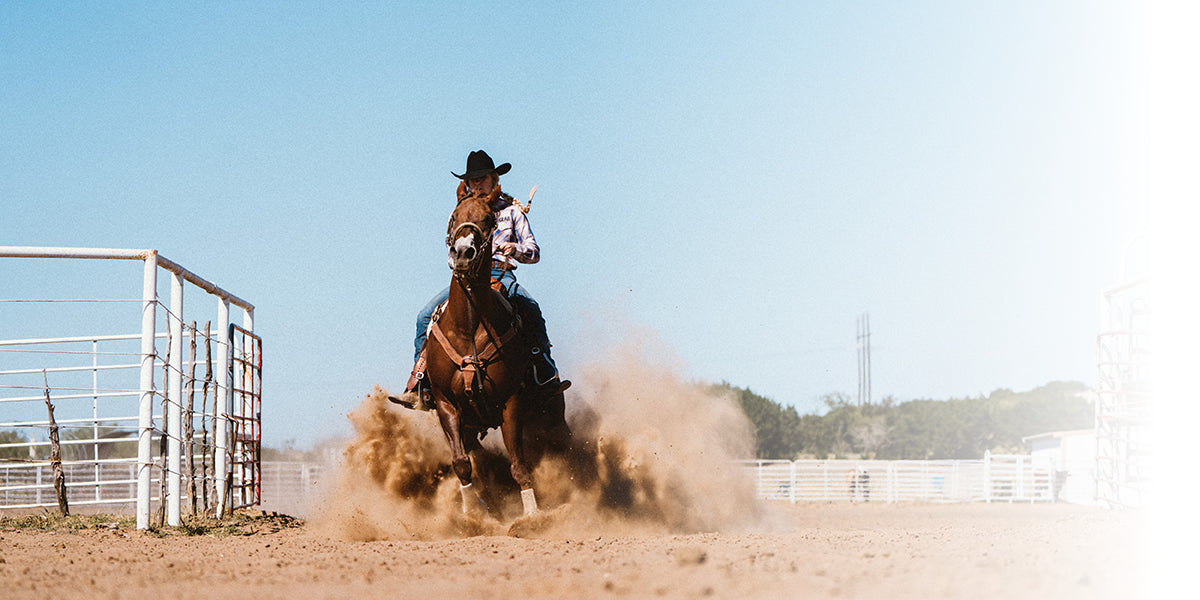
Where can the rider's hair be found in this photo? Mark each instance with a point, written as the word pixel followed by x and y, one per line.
pixel 494 177
pixel 464 191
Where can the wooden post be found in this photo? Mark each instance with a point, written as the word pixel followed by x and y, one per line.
pixel 188 427
pixel 60 480
pixel 204 414
pixel 161 518
pixel 227 508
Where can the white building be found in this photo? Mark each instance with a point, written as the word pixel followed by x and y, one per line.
pixel 1073 454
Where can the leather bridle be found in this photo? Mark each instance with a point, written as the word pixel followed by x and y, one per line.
pixel 485 240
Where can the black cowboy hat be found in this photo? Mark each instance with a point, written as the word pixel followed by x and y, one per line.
pixel 480 164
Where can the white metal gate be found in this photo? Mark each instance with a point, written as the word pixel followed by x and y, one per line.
pixel 122 457
pixel 1123 396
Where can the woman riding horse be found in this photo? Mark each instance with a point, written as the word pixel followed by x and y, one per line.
pixel 512 241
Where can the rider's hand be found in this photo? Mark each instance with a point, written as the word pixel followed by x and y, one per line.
pixel 507 248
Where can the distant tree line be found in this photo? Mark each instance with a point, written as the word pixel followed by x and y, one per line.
pixel 958 428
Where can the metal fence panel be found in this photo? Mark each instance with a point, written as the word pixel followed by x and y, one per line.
pixel 996 478
pixel 290 487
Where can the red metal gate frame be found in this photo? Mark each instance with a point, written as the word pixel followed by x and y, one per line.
pixel 245 363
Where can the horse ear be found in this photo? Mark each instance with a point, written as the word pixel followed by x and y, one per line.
pixel 462 190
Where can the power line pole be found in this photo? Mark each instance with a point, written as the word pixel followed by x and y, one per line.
pixel 863 345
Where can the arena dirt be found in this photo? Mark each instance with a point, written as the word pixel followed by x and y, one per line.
pixel 975 551
pixel 653 506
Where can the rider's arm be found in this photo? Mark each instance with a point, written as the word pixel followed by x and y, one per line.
pixel 526 246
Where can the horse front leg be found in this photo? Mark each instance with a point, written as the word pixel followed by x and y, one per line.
pixel 510 428
pixel 460 461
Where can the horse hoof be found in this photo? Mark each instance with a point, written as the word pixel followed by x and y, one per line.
pixel 472 503
pixel 539 524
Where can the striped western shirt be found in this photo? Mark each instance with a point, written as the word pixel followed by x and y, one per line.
pixel 513 226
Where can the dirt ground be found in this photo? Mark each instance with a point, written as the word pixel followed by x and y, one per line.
pixel 976 551
pixel 641 507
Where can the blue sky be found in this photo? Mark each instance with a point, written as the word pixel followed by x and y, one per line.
pixel 744 180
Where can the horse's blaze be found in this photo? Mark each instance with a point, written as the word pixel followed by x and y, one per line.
pixel 463 251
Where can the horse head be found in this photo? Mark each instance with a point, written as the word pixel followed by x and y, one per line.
pixel 470 234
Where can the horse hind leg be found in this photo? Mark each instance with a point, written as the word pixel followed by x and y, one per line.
pixel 553 432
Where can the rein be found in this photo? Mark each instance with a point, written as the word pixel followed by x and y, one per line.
pixel 476 362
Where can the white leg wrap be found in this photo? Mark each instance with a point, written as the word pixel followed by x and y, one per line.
pixel 529 501
pixel 467 497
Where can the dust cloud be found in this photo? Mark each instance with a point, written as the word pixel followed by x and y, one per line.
pixel 651 454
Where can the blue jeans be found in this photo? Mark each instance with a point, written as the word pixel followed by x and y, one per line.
pixel 531 314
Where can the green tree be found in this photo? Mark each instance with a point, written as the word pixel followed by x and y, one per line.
pixel 965 428
pixel 775 426
pixel 842 419
pixel 12 437
pixel 958 428
pixel 102 449
pixel 1056 406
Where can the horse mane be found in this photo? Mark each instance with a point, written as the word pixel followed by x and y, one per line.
pixel 463 193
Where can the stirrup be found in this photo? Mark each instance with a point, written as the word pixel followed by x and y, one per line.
pixel 416 393
pixel 418 374
pixel 552 384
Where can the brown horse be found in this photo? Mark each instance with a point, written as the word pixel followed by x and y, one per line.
pixel 477 362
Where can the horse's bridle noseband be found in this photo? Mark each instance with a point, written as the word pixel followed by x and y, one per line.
pixel 485 240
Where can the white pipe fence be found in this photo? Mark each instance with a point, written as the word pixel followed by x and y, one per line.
pixel 996 478
pixel 291 487
pixel 111 405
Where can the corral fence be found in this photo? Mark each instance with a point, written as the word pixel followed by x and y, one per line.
pixel 167 418
pixel 292 487
pixel 996 478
